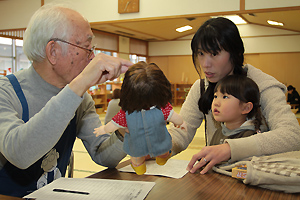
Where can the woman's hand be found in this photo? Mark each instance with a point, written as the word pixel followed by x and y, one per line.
pixel 209 156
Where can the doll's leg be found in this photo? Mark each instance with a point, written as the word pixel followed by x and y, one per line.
pixel 138 164
pixel 162 159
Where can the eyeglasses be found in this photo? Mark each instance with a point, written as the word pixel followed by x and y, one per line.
pixel 91 51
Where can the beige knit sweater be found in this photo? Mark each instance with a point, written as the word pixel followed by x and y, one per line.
pixel 284 133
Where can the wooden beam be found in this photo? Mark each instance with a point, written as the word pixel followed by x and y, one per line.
pixel 242 5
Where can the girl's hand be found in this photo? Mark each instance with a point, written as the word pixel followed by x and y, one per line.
pixel 209 156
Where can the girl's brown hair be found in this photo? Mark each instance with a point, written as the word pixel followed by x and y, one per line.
pixel 144 85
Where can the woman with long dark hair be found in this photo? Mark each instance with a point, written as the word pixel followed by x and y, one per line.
pixel 218 51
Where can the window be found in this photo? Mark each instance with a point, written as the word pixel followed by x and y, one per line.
pixel 138 50
pixel 12 57
pixel 6 54
pixel 110 53
pixel 22 61
pixel 134 58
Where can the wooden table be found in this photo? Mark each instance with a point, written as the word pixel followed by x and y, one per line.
pixel 192 186
pixel 195 186
pixel 4 197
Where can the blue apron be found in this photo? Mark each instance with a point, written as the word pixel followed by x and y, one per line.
pixel 18 182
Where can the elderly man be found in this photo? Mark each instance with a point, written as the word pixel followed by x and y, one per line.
pixel 51 107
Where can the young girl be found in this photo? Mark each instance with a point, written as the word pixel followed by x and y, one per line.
pixel 236 106
pixel 145 109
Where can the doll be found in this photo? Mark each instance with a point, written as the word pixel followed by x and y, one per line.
pixel 145 109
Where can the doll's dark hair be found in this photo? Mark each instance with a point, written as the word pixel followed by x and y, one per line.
pixel 244 89
pixel 214 35
pixel 144 85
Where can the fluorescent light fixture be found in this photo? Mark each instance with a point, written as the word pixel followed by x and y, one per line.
pixel 275 23
pixel 184 28
pixel 234 18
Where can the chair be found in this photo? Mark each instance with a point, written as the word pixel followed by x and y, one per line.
pixel 71 166
pixel 2 72
pixel 294 106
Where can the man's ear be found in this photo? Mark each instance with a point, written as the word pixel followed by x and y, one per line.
pixel 51 52
pixel 247 107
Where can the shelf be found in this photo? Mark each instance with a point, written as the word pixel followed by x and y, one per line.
pixel 179 93
pixel 102 93
pixel 98 104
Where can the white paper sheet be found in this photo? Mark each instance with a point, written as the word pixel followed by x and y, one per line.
pixel 97 189
pixel 173 168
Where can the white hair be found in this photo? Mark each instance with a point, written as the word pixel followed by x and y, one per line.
pixel 48 22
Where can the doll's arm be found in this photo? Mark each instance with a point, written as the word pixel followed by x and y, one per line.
pixel 109 127
pixel 177 120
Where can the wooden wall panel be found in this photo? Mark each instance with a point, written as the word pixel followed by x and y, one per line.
pixel 181 69
pixel 178 69
pixel 285 67
pixel 162 63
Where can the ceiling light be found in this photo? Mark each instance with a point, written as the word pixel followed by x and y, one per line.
pixel 275 23
pixel 184 28
pixel 234 18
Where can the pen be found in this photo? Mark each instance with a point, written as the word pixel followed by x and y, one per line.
pixel 70 191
